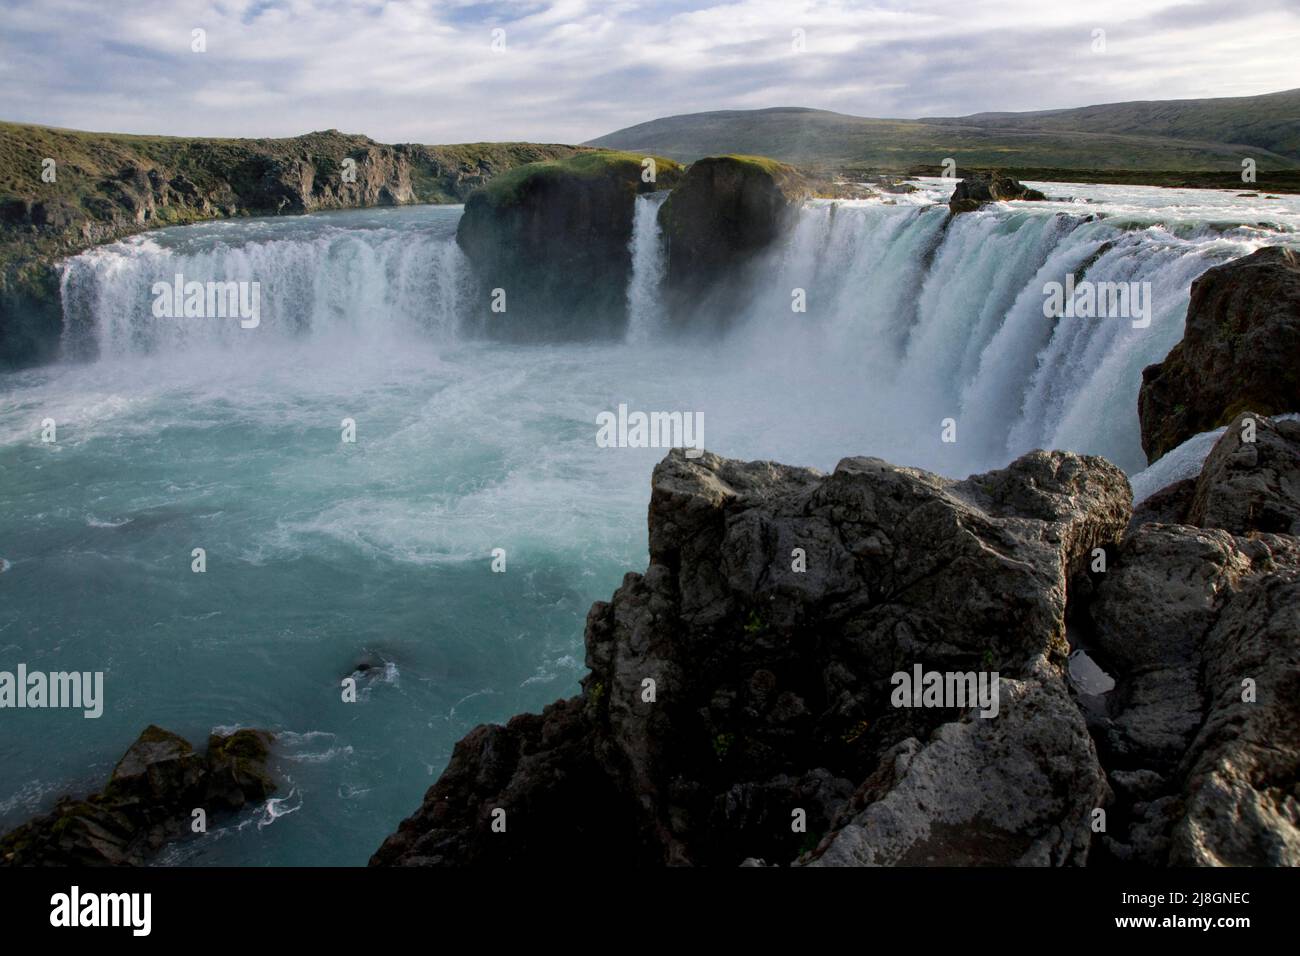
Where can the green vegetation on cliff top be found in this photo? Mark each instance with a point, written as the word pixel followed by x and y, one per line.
pixel 508 188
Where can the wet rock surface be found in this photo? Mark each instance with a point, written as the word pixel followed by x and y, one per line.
pixel 979 189
pixel 148 801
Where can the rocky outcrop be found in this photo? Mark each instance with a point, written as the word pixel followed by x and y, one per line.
pixel 743 683
pixel 1203 628
pixel 746 678
pixel 1250 482
pixel 149 801
pixel 726 211
pixel 978 189
pixel 1015 791
pixel 105 187
pixel 1240 350
pixel 549 245
pixel 1199 616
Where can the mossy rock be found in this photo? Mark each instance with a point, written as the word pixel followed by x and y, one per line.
pixel 724 213
pixel 553 236
pixel 147 802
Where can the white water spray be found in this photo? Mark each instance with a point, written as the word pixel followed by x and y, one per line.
pixel 645 313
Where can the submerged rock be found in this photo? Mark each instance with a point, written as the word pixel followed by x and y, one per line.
pixel 148 801
pixel 1240 351
pixel 977 189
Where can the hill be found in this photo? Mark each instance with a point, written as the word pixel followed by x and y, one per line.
pixel 1178 135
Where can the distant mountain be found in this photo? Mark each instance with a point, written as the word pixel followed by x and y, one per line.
pixel 1174 135
pixel 1270 122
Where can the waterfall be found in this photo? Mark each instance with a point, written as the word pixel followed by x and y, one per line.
pixel 644 302
pixel 314 280
pixel 940 318
pixel 912 317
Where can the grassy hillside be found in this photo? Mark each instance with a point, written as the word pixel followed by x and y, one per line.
pixel 1270 122
pixel 1116 141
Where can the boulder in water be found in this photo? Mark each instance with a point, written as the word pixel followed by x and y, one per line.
pixel 977 189
pixel 148 801
pixel 725 211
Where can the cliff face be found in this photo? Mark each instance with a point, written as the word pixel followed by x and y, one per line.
pixel 553 238
pixel 1240 349
pixel 745 681
pixel 108 186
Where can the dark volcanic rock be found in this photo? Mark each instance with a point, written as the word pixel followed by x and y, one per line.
pixel 1014 791
pixel 1202 777
pixel 729 690
pixel 1201 597
pixel 1169 505
pixel 1249 482
pixel 979 188
pixel 148 801
pixel 554 238
pixel 1240 350
pixel 726 209
pixel 1251 485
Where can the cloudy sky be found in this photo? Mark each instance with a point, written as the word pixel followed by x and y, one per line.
pixel 569 70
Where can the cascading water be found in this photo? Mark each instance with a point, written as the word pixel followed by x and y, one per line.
pixel 945 320
pixel 322 552
pixel 374 274
pixel 645 313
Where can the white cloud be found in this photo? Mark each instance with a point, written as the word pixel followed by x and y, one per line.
pixel 424 71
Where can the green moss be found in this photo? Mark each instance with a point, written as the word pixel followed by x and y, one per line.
pixel 855 732
pixel 809 843
pixel 754 623
pixel 511 187
pixel 723 743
